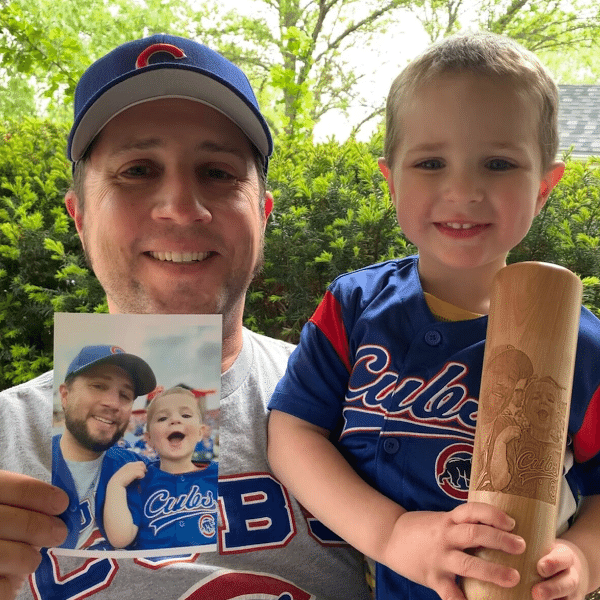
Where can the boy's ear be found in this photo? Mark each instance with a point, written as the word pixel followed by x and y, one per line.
pixel 387 173
pixel 551 178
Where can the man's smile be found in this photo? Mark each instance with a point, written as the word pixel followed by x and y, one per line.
pixel 179 257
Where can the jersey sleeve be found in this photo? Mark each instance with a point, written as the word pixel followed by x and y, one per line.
pixel 585 406
pixel 316 379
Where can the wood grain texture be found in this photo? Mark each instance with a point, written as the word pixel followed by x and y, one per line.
pixel 523 411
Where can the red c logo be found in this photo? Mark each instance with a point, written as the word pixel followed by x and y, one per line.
pixel 144 58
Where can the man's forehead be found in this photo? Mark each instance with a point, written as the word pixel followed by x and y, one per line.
pixel 109 372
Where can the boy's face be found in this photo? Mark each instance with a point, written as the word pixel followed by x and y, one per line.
pixel 541 408
pixel 175 427
pixel 467 178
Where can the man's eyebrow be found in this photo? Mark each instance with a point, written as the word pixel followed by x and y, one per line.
pixel 140 144
pixel 210 146
pixel 110 378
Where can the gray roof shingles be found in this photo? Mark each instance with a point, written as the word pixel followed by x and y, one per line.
pixel 579 119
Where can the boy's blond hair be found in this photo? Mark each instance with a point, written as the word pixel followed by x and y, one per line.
pixel 176 390
pixel 485 55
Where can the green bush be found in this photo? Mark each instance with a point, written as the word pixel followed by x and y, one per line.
pixel 332 214
pixel 41 265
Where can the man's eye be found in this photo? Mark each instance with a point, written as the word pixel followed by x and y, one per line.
pixel 430 164
pixel 138 171
pixel 216 173
pixel 499 164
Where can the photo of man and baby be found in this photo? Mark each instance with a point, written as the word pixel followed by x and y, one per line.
pixel 136 432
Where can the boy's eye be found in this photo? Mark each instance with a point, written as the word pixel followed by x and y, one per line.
pixel 160 419
pixel 430 164
pixel 499 164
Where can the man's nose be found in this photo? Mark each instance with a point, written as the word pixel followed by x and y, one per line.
pixel 180 200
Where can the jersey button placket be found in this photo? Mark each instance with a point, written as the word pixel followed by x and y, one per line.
pixel 433 337
pixel 391 446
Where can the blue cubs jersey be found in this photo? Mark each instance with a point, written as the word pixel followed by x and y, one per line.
pixel 175 510
pixel 399 389
pixel 87 515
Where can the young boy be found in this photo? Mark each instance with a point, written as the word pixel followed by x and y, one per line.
pixel 173 505
pixel 380 398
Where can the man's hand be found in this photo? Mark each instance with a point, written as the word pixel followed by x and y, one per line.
pixel 27 523
pixel 429 547
pixel 565 571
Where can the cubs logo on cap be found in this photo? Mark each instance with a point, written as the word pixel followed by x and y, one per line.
pixel 144 380
pixel 164 66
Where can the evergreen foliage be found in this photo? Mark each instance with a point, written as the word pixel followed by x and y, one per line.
pixel 332 214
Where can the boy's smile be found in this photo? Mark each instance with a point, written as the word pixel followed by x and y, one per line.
pixel 467 177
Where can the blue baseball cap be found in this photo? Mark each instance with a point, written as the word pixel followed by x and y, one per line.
pixel 164 66
pixel 140 372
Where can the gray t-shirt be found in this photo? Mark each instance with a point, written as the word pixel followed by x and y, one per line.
pixel 269 547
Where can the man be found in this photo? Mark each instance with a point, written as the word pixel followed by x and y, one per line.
pixel 170 154
pixel 97 396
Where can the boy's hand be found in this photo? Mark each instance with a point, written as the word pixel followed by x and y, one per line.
pixel 429 547
pixel 128 473
pixel 27 522
pixel 565 571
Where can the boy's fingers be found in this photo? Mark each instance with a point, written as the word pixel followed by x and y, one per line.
pixel 467 565
pixel 29 493
pixel 478 512
pixel 473 535
pixel 558 587
pixel 558 559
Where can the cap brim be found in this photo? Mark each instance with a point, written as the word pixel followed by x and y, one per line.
pixel 143 377
pixel 154 84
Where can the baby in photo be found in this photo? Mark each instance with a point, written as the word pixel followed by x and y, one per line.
pixel 172 502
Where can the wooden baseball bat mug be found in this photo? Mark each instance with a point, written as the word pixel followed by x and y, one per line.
pixel 523 413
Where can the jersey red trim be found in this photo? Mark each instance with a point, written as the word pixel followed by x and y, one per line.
pixel 586 442
pixel 328 318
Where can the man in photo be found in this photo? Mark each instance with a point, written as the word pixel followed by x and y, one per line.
pixel 97 396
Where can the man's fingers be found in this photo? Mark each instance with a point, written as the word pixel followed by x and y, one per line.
pixel 9 586
pixel 29 527
pixel 18 559
pixel 26 492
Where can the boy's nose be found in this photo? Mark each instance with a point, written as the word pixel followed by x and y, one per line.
pixel 463 188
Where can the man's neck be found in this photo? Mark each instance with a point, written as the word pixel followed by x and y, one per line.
pixel 72 450
pixel 233 340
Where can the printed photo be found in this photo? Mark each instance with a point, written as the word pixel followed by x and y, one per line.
pixel 135 432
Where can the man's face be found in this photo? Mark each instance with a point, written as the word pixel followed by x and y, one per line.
pixel 97 406
pixel 172 220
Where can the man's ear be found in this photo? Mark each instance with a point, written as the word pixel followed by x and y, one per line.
pixel 268 204
pixel 72 204
pixel 548 183
pixel 63 391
